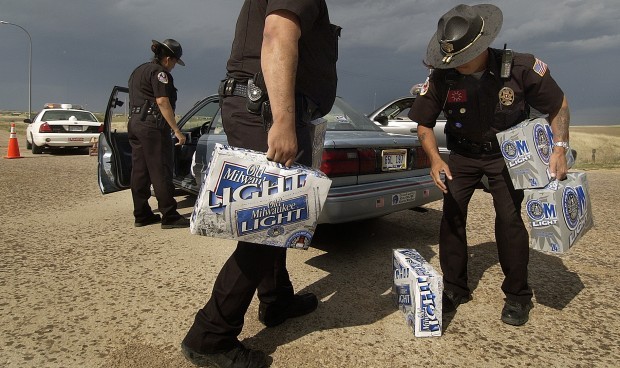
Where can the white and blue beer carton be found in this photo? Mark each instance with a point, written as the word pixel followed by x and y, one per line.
pixel 417 291
pixel 246 197
pixel 527 149
pixel 559 214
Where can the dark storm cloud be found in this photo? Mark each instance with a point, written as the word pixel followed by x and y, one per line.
pixel 82 48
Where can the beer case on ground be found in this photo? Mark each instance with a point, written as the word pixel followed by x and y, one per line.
pixel 559 214
pixel 417 291
pixel 527 148
pixel 245 197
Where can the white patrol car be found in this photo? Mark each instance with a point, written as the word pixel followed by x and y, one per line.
pixel 62 125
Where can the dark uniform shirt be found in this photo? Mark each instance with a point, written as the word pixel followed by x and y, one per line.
pixel 150 81
pixel 318 48
pixel 477 109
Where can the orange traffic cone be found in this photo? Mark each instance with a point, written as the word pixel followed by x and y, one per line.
pixel 13 151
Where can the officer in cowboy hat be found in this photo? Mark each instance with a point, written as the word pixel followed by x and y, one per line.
pixel 483 91
pixel 152 97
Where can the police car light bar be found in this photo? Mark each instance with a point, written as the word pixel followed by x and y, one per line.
pixel 62 106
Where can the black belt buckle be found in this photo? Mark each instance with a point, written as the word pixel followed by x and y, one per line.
pixel 486 146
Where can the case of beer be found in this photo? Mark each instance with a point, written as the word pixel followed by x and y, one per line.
pixel 559 214
pixel 417 291
pixel 527 148
pixel 246 197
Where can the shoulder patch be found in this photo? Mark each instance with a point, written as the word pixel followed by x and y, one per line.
pixel 162 77
pixel 539 67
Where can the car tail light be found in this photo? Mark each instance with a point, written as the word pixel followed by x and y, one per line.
pixel 340 162
pixel 421 160
pixel 100 130
pixel 363 161
pixel 45 128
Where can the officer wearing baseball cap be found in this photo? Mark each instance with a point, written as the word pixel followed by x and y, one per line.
pixel 152 97
pixel 483 91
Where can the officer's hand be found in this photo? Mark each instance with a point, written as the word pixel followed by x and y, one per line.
pixel 558 167
pixel 181 137
pixel 282 143
pixel 437 168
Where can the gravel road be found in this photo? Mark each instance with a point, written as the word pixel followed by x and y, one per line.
pixel 82 287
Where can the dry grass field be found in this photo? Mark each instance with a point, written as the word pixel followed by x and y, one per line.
pixel 597 146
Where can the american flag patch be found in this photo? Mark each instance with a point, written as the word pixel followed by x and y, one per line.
pixel 459 95
pixel 540 68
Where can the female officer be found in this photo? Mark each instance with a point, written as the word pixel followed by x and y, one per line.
pixel 152 97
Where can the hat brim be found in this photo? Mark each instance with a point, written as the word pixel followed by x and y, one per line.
pixel 179 61
pixel 493 20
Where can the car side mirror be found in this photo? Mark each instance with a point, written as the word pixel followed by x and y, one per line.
pixel 382 119
pixel 27 121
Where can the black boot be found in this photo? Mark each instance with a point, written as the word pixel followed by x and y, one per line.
pixel 237 357
pixel 450 301
pixel 274 314
pixel 515 313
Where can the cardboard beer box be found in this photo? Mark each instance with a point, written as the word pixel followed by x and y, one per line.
pixel 417 289
pixel 527 148
pixel 559 214
pixel 248 198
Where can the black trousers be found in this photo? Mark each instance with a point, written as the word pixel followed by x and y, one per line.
pixel 151 163
pixel 252 267
pixel 510 232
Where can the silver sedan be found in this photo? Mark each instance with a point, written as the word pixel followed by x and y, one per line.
pixel 374 173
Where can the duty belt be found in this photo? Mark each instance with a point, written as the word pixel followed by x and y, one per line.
pixel 138 110
pixel 462 145
pixel 231 87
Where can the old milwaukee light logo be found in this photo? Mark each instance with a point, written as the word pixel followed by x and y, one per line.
pixel 541 213
pixel 574 205
pixel 238 182
pixel 516 152
pixel 277 213
pixel 542 141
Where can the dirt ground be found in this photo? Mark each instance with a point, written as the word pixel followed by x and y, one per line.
pixel 82 287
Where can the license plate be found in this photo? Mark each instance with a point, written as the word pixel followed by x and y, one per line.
pixel 75 139
pixel 395 159
pixel 75 128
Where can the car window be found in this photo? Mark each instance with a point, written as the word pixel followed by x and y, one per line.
pixel 203 116
pixel 65 115
pixel 344 117
pixel 217 127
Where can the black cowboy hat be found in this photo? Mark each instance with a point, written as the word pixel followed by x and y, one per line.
pixel 174 47
pixel 463 33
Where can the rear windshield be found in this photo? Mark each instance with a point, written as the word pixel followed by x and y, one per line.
pixel 344 117
pixel 65 115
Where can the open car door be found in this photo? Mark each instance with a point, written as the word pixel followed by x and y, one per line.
pixel 114 151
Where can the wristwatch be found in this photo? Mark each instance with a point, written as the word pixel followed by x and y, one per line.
pixel 561 144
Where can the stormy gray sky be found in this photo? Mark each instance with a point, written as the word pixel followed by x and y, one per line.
pixel 82 48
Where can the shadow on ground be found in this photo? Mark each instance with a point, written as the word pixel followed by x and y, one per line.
pixel 357 257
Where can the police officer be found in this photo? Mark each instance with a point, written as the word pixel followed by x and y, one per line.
pixel 281 75
pixel 480 98
pixel 152 98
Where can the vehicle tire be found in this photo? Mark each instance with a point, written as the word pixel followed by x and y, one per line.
pixel 36 150
pixel 28 145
